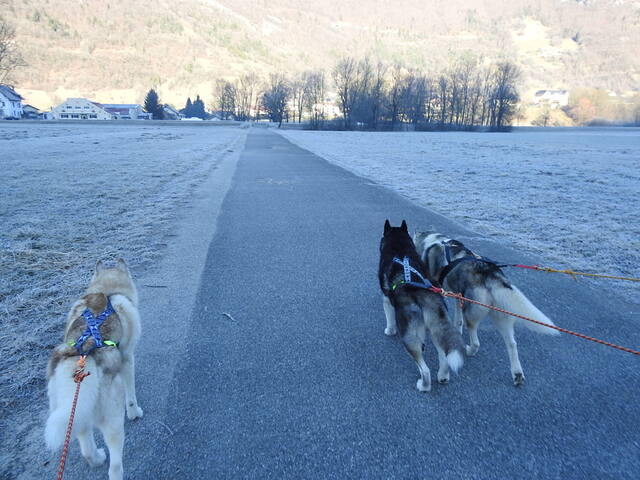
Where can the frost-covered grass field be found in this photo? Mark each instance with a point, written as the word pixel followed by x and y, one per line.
pixel 70 194
pixel 570 196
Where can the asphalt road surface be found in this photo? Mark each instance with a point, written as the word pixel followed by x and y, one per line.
pixel 298 380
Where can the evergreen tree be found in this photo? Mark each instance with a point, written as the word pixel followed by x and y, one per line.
pixel 198 108
pixel 187 110
pixel 152 105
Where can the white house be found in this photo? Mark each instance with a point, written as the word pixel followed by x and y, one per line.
pixel 10 103
pixel 79 109
pixel 171 113
pixel 552 98
pixel 127 111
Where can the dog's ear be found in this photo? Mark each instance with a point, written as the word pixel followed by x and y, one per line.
pixel 99 266
pixel 404 226
pixel 122 265
pixel 387 226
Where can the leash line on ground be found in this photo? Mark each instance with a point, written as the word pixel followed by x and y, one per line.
pixel 78 376
pixel 460 298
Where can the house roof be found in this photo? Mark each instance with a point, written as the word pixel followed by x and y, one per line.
pixel 540 93
pixel 119 111
pixel 121 105
pixel 10 93
pixel 171 108
pixel 120 108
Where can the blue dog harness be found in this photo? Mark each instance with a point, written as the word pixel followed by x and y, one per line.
pixel 408 271
pixel 93 330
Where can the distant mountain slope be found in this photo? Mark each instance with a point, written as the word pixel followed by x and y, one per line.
pixel 114 50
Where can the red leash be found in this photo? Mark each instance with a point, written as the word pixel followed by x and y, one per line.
pixel 459 297
pixel 78 376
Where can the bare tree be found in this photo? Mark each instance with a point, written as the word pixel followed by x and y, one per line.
pixel 415 90
pixel 275 98
pixel 314 97
pixel 298 96
pixel 246 90
pixel 345 77
pixel 475 95
pixel 377 93
pixel 225 98
pixel 395 94
pixel 10 57
pixel 505 95
pixel 443 90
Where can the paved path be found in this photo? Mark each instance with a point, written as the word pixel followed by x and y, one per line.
pixel 302 383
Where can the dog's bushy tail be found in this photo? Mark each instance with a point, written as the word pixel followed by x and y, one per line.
pixel 454 347
pixel 61 391
pixel 447 337
pixel 513 300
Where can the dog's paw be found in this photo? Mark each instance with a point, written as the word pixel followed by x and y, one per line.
pixel 134 412
pixel 422 386
pixel 390 331
pixel 443 380
pixel 471 350
pixel 518 379
pixel 98 459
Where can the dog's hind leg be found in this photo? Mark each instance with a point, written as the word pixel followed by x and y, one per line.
pixel 504 325
pixel 390 314
pixel 443 366
pixel 413 340
pixel 112 428
pixel 114 438
pixel 414 348
pixel 111 422
pixel 473 315
pixel 128 372
pixel 93 455
pixel 458 317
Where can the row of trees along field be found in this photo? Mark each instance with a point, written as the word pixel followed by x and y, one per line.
pixel 377 96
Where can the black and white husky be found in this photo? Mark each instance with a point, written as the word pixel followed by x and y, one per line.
pixel 411 308
pixel 460 270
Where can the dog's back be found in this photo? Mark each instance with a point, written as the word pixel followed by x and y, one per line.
pixel 476 278
pixel 101 362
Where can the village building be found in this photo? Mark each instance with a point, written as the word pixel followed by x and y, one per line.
pixel 10 103
pixel 30 112
pixel 171 113
pixel 127 111
pixel 79 109
pixel 551 98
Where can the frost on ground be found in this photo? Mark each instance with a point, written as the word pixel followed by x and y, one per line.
pixel 570 196
pixel 71 194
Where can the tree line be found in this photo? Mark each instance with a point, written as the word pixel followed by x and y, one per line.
pixel 378 96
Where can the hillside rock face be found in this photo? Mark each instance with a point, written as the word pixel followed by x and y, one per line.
pixel 115 50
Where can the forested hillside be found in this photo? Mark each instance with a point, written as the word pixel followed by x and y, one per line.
pixel 114 50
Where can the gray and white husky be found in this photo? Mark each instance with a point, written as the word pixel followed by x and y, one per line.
pixel 112 297
pixel 460 270
pixel 411 308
